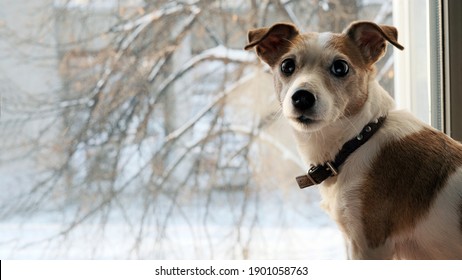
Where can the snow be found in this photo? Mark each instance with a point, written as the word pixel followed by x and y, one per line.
pixel 192 121
pixel 223 52
pixel 217 238
pixel 216 53
pixel 273 243
pixel 95 4
pixel 147 19
pixel 271 223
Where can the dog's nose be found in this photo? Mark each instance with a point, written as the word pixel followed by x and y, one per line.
pixel 303 99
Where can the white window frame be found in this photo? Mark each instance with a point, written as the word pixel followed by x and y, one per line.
pixel 412 86
pixel 435 24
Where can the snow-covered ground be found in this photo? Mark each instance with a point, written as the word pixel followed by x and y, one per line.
pixel 17 242
pixel 266 229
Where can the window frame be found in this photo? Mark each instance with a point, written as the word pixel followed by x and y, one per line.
pixel 452 70
pixel 444 60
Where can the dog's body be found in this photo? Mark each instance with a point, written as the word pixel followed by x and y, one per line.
pixel 399 195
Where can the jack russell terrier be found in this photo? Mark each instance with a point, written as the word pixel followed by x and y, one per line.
pixel 392 183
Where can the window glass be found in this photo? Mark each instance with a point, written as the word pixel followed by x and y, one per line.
pixel 413 80
pixel 142 129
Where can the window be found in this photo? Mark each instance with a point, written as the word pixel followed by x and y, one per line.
pixel 412 83
pixel 143 123
pixel 428 73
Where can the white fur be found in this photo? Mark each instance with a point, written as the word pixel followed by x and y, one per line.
pixel 324 38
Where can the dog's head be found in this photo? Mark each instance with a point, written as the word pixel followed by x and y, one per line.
pixel 321 77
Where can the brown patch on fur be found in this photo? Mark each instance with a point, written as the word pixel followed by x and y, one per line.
pixel 273 42
pixel 347 46
pixel 357 88
pixel 357 93
pixel 403 182
pixel 371 39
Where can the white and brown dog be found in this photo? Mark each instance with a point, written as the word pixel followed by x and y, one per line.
pixel 392 183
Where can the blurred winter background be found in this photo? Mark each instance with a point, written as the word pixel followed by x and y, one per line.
pixel 140 129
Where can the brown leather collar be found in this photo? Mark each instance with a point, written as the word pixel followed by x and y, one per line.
pixel 317 174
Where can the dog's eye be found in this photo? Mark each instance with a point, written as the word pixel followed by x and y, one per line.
pixel 288 66
pixel 339 68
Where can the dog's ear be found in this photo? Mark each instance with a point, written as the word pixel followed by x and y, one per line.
pixel 371 38
pixel 273 42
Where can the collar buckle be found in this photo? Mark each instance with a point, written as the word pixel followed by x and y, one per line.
pixel 316 175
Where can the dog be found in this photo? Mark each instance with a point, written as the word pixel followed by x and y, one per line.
pixel 392 183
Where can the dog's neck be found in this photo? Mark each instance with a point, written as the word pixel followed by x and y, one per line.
pixel 322 145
